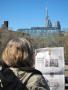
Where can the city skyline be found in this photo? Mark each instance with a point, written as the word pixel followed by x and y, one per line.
pixel 31 13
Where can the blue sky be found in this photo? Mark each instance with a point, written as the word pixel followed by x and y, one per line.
pixel 30 13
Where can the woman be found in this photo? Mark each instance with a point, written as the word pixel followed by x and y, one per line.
pixel 18 56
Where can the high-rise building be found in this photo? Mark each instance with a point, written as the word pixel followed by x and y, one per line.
pixel 47 20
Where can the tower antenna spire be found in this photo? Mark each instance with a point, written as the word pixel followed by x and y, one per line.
pixel 47 19
pixel 46 9
pixel 46 12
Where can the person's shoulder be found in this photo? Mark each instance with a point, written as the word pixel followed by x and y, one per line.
pixel 36 72
pixel 38 81
pixel 35 75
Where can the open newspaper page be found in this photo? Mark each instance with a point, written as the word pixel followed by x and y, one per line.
pixel 50 61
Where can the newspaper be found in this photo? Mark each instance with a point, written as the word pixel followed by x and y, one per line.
pixel 50 61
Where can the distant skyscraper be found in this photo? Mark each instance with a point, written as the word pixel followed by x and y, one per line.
pixel 47 20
